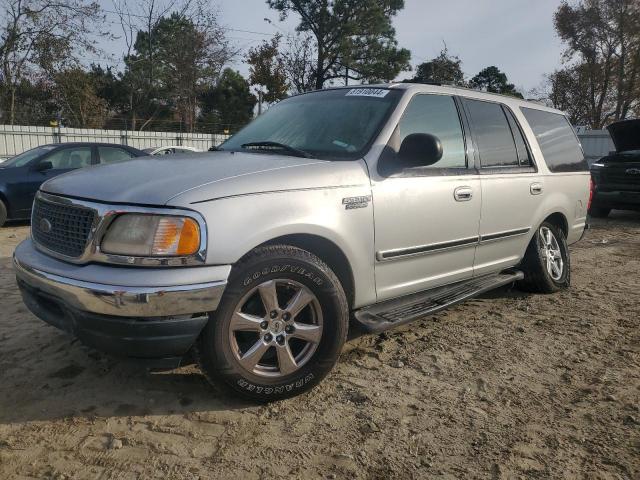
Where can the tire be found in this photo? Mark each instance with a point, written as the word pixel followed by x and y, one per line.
pixel 539 275
pixel 3 213
pixel 250 321
pixel 599 212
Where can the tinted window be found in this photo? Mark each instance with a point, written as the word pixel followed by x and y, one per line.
pixel 436 115
pixel 521 146
pixel 558 142
pixel 69 158
pixel 113 155
pixel 492 134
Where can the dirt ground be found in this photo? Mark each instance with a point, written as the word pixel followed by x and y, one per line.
pixel 507 386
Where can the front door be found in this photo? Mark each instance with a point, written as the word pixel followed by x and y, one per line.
pixel 426 217
pixel 60 161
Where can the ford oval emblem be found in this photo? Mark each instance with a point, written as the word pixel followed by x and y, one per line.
pixel 45 226
pixel 633 171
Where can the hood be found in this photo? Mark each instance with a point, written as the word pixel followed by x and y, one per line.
pixel 625 135
pixel 183 179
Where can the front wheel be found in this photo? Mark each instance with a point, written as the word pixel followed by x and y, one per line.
pixel 546 264
pixel 279 328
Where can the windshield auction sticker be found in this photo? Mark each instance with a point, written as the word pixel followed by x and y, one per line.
pixel 367 92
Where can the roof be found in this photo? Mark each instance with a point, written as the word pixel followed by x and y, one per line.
pixel 460 91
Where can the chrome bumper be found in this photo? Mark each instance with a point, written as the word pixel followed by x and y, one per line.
pixel 120 300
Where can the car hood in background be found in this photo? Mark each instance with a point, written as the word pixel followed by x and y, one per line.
pixel 625 135
pixel 184 179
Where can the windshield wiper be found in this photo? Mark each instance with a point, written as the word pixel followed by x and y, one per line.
pixel 269 145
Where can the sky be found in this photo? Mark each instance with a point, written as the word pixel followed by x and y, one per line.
pixel 517 36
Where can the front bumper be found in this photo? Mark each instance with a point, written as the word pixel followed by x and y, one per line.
pixel 129 311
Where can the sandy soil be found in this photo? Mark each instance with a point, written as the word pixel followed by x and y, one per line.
pixel 507 386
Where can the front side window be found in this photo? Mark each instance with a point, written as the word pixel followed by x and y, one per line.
pixel 70 158
pixel 492 134
pixel 113 155
pixel 436 115
pixel 330 124
pixel 557 140
pixel 26 157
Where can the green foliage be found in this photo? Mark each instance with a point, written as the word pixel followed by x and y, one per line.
pixel 602 75
pixel 267 70
pixel 354 39
pixel 229 102
pixel 445 68
pixel 491 79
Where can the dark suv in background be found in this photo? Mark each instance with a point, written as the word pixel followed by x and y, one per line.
pixel 22 175
pixel 616 177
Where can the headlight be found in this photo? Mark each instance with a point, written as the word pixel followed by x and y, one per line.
pixel 152 236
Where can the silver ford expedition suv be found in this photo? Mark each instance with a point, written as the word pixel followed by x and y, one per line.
pixel 370 206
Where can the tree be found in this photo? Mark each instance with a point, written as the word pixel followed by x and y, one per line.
pixel 297 59
pixel 491 79
pixel 75 94
pixel 354 39
pixel 171 63
pixel 38 37
pixel 444 68
pixel 229 102
pixel 267 70
pixel 603 52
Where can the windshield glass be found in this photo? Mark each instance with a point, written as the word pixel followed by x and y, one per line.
pixel 337 123
pixel 26 157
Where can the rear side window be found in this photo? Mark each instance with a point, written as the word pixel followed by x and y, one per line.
pixel 113 155
pixel 524 158
pixel 492 134
pixel 557 141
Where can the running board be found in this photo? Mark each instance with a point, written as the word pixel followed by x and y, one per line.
pixel 392 313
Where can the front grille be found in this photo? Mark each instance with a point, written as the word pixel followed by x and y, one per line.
pixel 69 230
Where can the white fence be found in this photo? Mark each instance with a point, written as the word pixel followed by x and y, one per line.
pixel 15 139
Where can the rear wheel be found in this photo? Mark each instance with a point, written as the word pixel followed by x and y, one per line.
pixel 599 212
pixel 3 213
pixel 279 328
pixel 546 265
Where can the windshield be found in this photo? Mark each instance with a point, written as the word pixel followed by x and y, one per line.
pixel 24 158
pixel 337 123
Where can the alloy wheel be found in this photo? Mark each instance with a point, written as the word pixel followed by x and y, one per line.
pixel 551 254
pixel 276 328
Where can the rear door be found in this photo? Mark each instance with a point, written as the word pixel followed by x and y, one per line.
pixel 426 217
pixel 512 188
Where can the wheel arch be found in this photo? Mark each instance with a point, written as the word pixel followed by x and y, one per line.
pixel 327 251
pixel 559 220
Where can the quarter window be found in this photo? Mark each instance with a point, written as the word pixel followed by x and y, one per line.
pixel 492 134
pixel 436 115
pixel 557 140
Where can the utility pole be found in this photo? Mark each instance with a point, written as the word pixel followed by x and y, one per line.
pixel 259 102
pixel 346 76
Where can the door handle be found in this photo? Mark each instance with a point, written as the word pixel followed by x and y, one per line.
pixel 463 194
pixel 535 188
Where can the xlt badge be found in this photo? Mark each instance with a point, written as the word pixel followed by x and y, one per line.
pixel 356 202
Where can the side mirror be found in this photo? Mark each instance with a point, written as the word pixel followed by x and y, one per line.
pixel 42 166
pixel 420 149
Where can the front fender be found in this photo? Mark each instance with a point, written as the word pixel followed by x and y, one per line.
pixel 236 225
